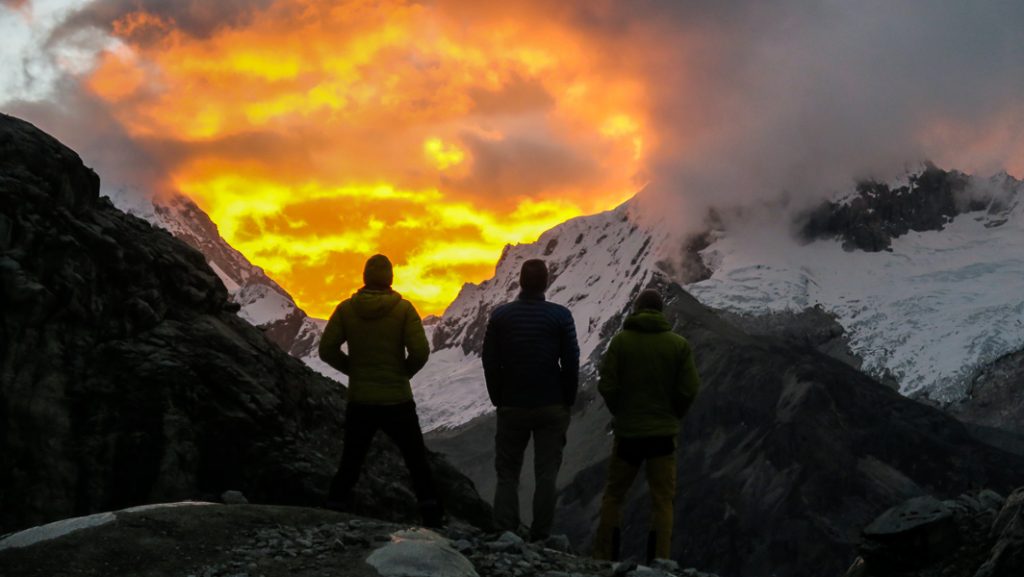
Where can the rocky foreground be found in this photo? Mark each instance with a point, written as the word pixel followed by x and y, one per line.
pixel 273 541
pixel 979 534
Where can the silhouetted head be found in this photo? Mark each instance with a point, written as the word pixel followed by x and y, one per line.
pixel 649 299
pixel 533 277
pixel 378 274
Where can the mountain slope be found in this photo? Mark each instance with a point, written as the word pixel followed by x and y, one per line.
pixel 788 452
pixel 922 280
pixel 597 264
pixel 786 455
pixel 126 377
pixel 263 302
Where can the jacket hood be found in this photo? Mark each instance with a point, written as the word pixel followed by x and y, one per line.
pixel 374 303
pixel 647 321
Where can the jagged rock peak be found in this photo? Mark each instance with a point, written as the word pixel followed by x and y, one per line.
pixel 877 212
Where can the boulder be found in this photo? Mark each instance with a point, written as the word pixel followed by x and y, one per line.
pixel 910 535
pixel 420 553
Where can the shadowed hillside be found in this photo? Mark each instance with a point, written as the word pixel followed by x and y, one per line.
pixel 786 455
pixel 126 377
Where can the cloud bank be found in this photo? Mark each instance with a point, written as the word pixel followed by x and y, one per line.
pixel 317 132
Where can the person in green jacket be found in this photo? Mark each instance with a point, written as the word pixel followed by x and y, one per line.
pixel 386 346
pixel 648 380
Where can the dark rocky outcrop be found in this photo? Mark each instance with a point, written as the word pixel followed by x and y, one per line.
pixel 126 377
pixel 879 213
pixel 812 327
pixel 994 396
pixel 252 540
pixel 786 455
pixel 978 534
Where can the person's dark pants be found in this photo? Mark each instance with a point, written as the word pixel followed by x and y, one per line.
pixel 400 423
pixel 548 426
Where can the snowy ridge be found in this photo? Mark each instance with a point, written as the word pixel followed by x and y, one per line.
pixel 928 312
pixel 597 266
pixel 263 302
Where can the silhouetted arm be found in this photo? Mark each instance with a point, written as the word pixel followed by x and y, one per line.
pixel 331 341
pixel 687 382
pixel 492 362
pixel 569 361
pixel 608 385
pixel 415 342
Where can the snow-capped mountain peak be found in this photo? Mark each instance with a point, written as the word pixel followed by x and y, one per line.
pixel 597 265
pixel 924 275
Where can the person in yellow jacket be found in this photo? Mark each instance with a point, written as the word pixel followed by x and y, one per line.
pixel 386 347
pixel 648 380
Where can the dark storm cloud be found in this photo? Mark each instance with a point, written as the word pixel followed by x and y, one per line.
pixel 85 124
pixel 746 98
pixel 200 18
pixel 755 97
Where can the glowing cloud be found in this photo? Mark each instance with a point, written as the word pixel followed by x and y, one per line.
pixel 444 156
pixel 318 133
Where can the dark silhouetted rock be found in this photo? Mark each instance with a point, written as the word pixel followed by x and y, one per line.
pixel 910 535
pixel 975 535
pixel 879 213
pixel 126 377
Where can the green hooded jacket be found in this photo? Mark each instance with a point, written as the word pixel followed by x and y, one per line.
pixel 379 327
pixel 648 377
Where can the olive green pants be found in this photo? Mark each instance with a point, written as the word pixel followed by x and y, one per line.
pixel 661 481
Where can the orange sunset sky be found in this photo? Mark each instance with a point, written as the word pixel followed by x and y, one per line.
pixel 316 133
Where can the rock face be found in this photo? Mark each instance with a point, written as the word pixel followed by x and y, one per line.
pixel 994 397
pixel 878 213
pixel 126 377
pixel 785 456
pixel 978 534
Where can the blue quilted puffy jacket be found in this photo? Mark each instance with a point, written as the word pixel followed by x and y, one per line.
pixel 531 357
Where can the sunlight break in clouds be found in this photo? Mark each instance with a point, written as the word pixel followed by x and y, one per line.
pixel 318 133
